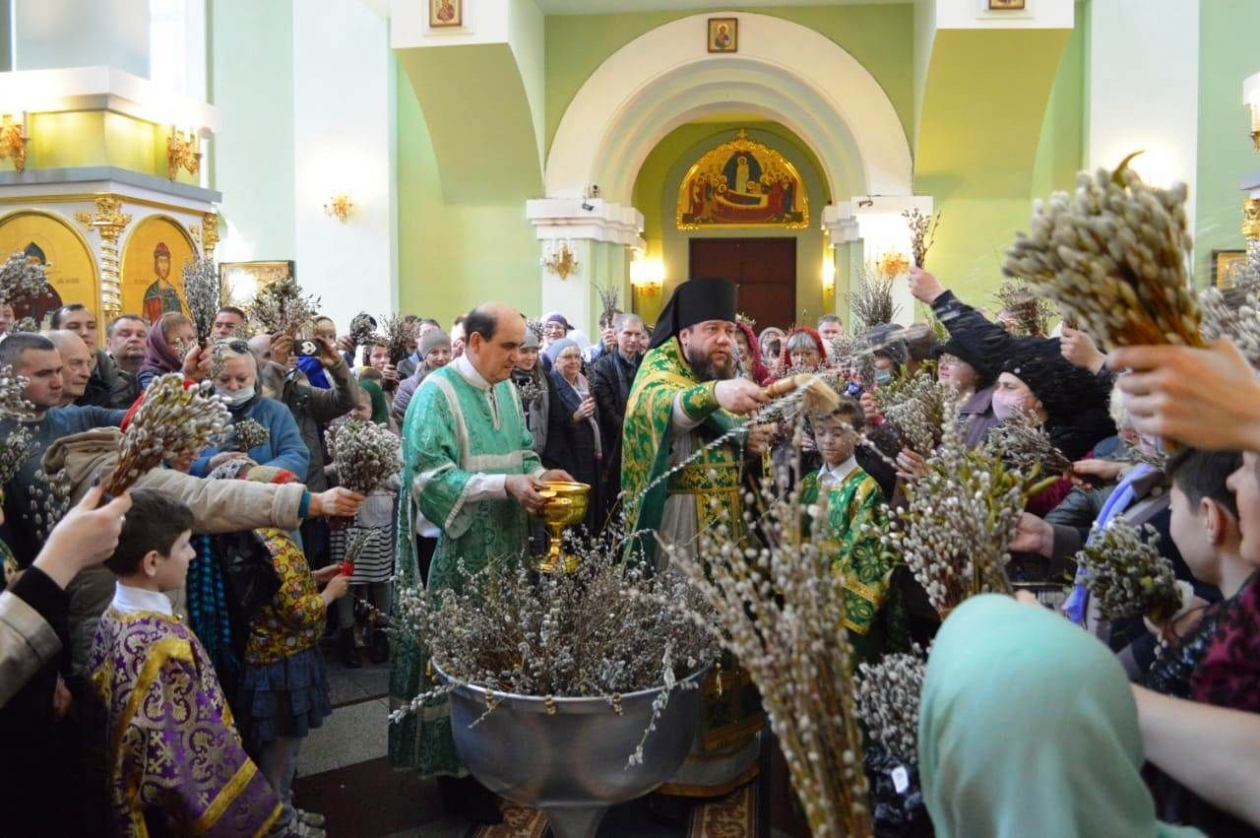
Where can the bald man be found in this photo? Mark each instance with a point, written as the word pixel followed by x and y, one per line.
pixel 470 468
pixel 77 364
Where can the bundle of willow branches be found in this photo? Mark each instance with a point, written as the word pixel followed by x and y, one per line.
pixel 922 233
pixel 1126 575
pixel 1115 257
pixel 362 327
pixel 872 303
pixel 171 423
pixel 961 518
pixel 20 279
pixel 1233 314
pixel 249 434
pixel 917 409
pixel 204 293
pixel 282 308
pixel 1024 443
pixel 365 455
pixel 1033 313
pixel 398 335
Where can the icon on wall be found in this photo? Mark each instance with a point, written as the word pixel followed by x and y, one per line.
pixel 742 183
pixel 50 241
pixel 723 34
pixel 446 13
pixel 152 276
pixel 1006 5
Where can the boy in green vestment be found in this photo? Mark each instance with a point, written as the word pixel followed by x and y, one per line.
pixel 470 468
pixel 856 518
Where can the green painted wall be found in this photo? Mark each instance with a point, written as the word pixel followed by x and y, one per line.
pixel 656 196
pixel 881 37
pixel 1061 153
pixel 450 258
pixel 1228 55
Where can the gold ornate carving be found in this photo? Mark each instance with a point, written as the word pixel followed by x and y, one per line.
pixel 562 261
pixel 109 221
pixel 1251 219
pixel 182 152
pixel 13 143
pixel 209 234
pixel 742 183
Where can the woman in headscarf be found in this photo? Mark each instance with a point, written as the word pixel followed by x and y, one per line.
pixel 168 342
pixel 770 342
pixel 435 353
pixel 750 355
pixel 1027 726
pixel 531 384
pixel 573 439
pixel 235 375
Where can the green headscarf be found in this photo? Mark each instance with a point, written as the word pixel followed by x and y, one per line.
pixel 380 409
pixel 1027 726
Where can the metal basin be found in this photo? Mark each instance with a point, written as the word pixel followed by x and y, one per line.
pixel 568 757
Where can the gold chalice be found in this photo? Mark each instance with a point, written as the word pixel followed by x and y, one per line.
pixel 566 506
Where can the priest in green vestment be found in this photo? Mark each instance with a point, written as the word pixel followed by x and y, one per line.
pixel 470 469
pixel 685 397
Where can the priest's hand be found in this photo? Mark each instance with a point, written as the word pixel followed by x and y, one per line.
pixel 924 286
pixel 557 475
pixel 524 490
pixel 739 395
pixel 340 502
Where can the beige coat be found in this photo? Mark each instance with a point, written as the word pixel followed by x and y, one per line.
pixel 217 505
pixel 27 642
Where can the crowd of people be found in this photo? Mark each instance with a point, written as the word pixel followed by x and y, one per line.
pixel 160 650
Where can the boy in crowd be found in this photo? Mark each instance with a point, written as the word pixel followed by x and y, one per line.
pixel 855 519
pixel 173 760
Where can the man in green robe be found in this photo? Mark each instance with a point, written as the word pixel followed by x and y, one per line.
pixel 470 468
pixel 685 397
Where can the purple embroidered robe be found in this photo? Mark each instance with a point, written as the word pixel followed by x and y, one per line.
pixel 174 759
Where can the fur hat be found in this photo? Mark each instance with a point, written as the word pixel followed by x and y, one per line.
pixel 434 339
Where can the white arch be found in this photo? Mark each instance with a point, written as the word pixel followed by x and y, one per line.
pixel 783 71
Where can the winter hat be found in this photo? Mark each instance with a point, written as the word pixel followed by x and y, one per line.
pixel 433 340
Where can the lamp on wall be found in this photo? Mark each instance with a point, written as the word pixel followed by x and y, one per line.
pixel 339 206
pixel 13 141
pixel 647 277
pixel 1255 124
pixel 560 260
pixel 182 152
pixel 829 273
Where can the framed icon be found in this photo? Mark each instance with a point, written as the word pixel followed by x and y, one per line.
pixel 723 34
pixel 1006 5
pixel 1224 264
pixel 446 13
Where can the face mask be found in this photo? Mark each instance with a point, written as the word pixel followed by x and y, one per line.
pixel 235 398
pixel 883 377
pixel 1006 408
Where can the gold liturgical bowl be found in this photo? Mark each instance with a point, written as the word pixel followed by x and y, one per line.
pixel 565 507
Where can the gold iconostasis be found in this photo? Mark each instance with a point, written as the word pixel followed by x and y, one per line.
pixel 105 260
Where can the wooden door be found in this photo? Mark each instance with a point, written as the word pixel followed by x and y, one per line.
pixel 764 270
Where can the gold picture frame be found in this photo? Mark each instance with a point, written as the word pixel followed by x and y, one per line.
pixel 240 281
pixel 723 34
pixel 444 14
pixel 1007 5
pixel 1224 263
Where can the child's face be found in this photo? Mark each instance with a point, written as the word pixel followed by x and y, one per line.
pixel 172 570
pixel 1187 526
pixel 835 439
pixel 364 409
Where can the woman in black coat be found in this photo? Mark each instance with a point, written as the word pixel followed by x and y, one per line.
pixel 573 438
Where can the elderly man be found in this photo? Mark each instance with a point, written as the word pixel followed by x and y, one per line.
pixel 611 378
pixel 105 384
pixel 830 327
pixel 470 467
pixel 685 397
pixel 76 360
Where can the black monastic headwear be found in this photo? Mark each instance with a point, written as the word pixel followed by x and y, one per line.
pixel 695 301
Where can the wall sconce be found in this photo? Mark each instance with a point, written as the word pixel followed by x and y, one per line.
pixel 829 275
pixel 1255 124
pixel 647 277
pixel 13 141
pixel 560 261
pixel 894 264
pixel 339 206
pixel 182 152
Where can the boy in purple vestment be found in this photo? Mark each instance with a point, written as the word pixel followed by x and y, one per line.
pixel 173 757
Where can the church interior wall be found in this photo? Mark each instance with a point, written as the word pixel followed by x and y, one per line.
pixel 1227 30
